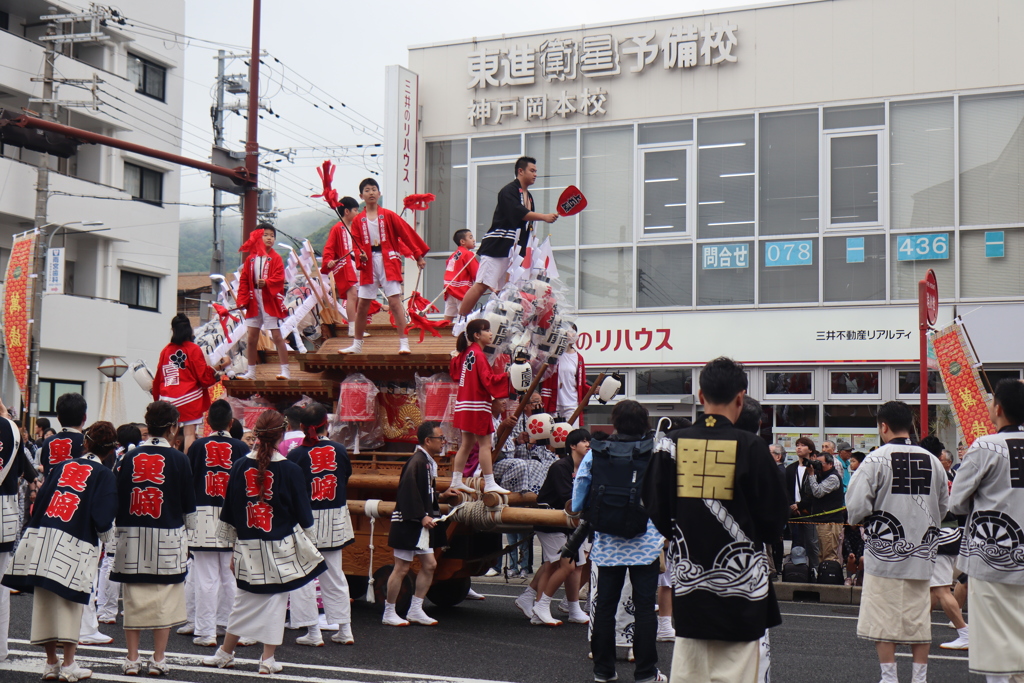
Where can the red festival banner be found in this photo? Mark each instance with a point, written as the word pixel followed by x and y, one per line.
pixel 960 375
pixel 17 302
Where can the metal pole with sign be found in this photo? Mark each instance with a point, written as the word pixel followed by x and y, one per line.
pixel 927 313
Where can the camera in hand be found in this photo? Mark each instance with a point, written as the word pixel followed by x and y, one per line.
pixel 816 464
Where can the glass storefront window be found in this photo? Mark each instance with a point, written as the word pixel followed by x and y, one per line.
pixel 991 159
pixel 725 274
pixel 853 178
pixel 725 173
pixel 799 415
pixel 914 254
pixel 500 146
pixel 664 191
pixel 489 179
pixel 664 276
pixel 854 382
pixel 789 271
pixel 995 376
pixel 991 263
pixel 565 261
pixel 854 116
pixel 921 163
pixel 433 276
pixel 607 180
pixel 788 383
pixel 862 416
pixel 909 382
pixel 664 382
pixel 665 131
pixel 788 182
pixel 446 180
pixel 606 278
pixel 854 268
pixel 556 170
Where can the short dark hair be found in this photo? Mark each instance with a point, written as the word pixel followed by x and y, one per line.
pixel 461 235
pixel 522 163
pixel 425 431
pixel 858 456
pixel 237 431
pixel 294 416
pixel 367 181
pixel 314 415
pixel 721 379
pixel 181 329
pixel 71 409
pixel 630 418
pixel 1009 395
pixel 828 457
pixel 128 434
pixel 160 417
pixel 43 423
pixel 219 417
pixel 576 436
pixel 932 444
pixel 348 203
pixel 750 416
pixel 264 226
pixel 897 415
pixel 806 441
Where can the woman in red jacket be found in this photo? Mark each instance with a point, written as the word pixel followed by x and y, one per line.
pixel 182 376
pixel 478 386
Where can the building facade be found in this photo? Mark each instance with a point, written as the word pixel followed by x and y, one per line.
pixel 120 279
pixel 768 183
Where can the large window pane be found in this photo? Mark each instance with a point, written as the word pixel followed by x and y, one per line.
pixel 565 261
pixel 854 268
pixel 858 382
pixel 796 415
pixel 907 273
pixel 853 173
pixel 862 416
pixel 148 290
pixel 664 382
pixel 607 170
pixel 433 276
pixel 725 158
pixel 504 145
pixel 556 170
pixel 788 383
pixel 992 159
pixel 446 180
pixel 789 172
pixel 854 116
pixel 789 271
pixel 490 178
pixel 921 163
pixel 725 280
pixel 909 382
pixel 606 277
pixel 664 276
pixel 665 131
pixel 992 263
pixel 664 191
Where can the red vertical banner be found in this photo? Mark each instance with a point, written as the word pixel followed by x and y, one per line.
pixel 960 375
pixel 17 305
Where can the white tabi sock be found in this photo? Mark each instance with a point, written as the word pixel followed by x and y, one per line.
pixel 920 673
pixel 532 593
pixel 456 479
pixel 889 673
pixel 313 631
pixel 416 604
pixel 544 600
pixel 665 623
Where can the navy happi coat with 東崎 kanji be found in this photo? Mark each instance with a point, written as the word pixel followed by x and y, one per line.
pixel 327 468
pixel 271 535
pixel 156 504
pixel 210 459
pixel 61 447
pixel 73 512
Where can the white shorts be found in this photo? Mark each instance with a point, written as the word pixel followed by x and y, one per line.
pixel 262 319
pixel 451 307
pixel 192 422
pixel 380 281
pixel 493 270
pixel 407 555
pixel 665 579
pixel 551 544
pixel 942 572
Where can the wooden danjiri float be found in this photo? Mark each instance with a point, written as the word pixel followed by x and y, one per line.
pixel 474 532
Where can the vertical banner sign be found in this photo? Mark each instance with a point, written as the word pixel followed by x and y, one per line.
pixel 54 271
pixel 401 138
pixel 959 369
pixel 17 300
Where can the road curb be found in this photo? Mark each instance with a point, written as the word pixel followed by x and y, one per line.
pixel 816 592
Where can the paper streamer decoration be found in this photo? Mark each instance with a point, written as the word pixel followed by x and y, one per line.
pixel 962 379
pixel 17 305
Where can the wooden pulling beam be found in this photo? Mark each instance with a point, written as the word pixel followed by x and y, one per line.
pixel 586 399
pixel 509 515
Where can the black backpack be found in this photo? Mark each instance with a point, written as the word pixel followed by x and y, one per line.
pixel 830 572
pixel 617 480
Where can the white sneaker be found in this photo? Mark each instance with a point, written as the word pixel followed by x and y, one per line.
pixel 525 603
pixel 310 640
pixel 494 488
pixel 186 630
pixel 403 346
pixel 74 673
pixel 391 618
pixel 284 373
pixel 344 635
pixel 563 606
pixel 95 639
pixel 249 374
pixel 418 616
pixel 491 572
pixel 543 613
pixel 961 643
pixel 130 668
pixel 51 671
pixel 220 659
pixel 576 615
pixel 205 641
pixel 246 642
pixel 357 347
pixel 106 619
pixel 473 595
pixel 270 666
pixel 157 668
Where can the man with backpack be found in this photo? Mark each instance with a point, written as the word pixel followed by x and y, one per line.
pixel 719 501
pixel 828 507
pixel 608 486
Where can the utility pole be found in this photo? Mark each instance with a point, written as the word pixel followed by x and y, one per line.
pixel 252 148
pixel 217 259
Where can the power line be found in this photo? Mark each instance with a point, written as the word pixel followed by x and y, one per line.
pixel 317 87
pixel 61 193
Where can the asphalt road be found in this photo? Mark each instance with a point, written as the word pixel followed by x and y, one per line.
pixel 490 641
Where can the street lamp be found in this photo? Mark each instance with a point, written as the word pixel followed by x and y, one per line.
pixel 113 367
pixel 87 224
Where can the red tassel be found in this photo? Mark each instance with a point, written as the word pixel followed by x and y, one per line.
pixel 223 313
pixel 418 202
pixel 330 195
pixel 254 245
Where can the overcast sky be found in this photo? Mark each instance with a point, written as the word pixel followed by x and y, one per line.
pixel 343 48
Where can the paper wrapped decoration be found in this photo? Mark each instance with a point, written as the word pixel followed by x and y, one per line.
pixel 358 399
pixel 436 395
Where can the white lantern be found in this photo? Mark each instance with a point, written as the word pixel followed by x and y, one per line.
pixel 143 375
pixel 520 372
pixel 559 433
pixel 609 388
pixel 538 426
